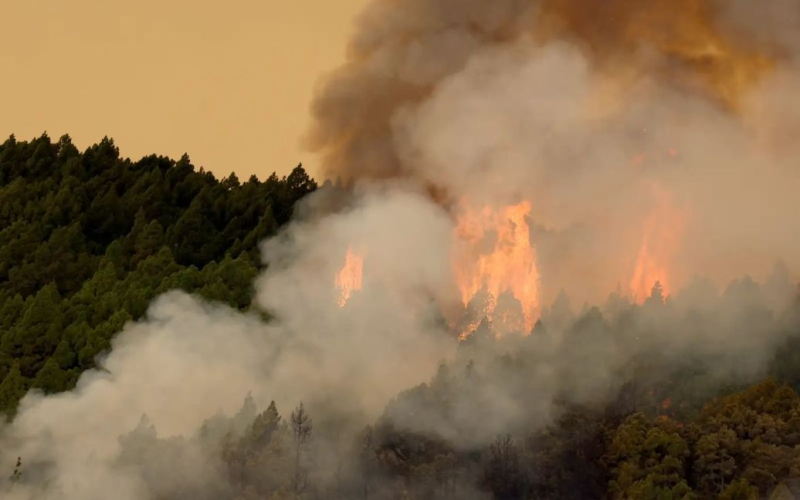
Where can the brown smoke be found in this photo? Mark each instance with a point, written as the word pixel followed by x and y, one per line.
pixel 691 48
pixel 584 109
pixel 401 51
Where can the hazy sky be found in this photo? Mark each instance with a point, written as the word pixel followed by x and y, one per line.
pixel 228 82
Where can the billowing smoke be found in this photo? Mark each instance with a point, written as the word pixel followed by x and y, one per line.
pixel 607 117
pixel 647 141
pixel 188 360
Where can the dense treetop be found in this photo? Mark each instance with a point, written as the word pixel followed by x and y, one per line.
pixel 88 238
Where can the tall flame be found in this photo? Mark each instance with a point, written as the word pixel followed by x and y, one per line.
pixel 496 256
pixel 348 280
pixel 663 229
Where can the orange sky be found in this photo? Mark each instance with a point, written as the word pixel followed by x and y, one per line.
pixel 227 82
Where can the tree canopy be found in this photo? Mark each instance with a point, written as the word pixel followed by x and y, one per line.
pixel 88 239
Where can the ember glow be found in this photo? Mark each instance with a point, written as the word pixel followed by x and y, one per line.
pixel 348 280
pixel 663 229
pixel 495 257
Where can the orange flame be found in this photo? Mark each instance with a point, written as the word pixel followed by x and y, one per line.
pixel 497 257
pixel 348 280
pixel 663 229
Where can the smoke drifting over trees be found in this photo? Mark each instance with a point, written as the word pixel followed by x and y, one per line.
pixel 649 146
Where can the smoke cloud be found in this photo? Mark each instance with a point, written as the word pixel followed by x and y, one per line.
pixel 189 360
pixel 603 116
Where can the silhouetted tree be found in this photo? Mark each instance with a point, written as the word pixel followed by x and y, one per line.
pixel 302 427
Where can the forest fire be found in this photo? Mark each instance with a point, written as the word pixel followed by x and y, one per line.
pixel 496 271
pixel 494 265
pixel 547 249
pixel 495 258
pixel 348 280
pixel 663 228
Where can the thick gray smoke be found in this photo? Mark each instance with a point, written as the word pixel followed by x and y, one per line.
pixel 489 104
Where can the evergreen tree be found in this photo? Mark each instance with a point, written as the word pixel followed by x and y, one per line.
pixel 87 240
pixel 12 389
pixel 51 378
pixel 739 490
pixel 302 428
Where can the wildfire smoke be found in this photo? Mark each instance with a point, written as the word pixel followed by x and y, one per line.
pixel 547 101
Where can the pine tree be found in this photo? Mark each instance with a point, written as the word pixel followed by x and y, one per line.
pixel 86 235
pixel 64 356
pixel 13 387
pixel 260 431
pixel 739 490
pixel 148 242
pixel 302 428
pixel 51 378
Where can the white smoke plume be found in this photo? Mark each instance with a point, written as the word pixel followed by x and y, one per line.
pixel 189 360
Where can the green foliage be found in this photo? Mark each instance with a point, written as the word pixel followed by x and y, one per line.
pixel 648 460
pixel 51 378
pixel 738 447
pixel 88 239
pixel 739 490
pixel 12 389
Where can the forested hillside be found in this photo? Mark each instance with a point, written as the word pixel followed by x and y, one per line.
pixel 691 396
pixel 87 239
